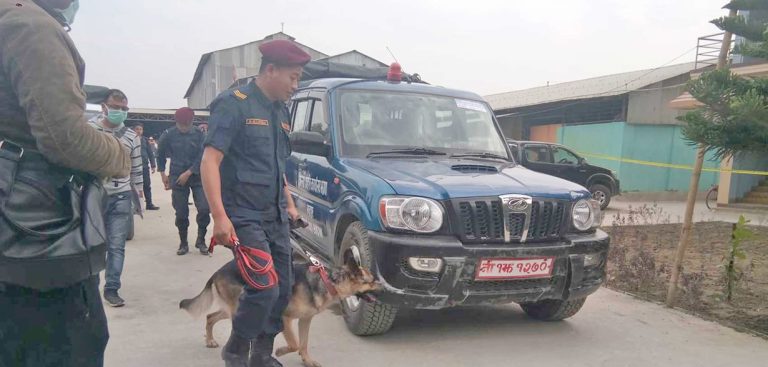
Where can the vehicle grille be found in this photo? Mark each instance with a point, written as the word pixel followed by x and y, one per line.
pixel 518 285
pixel 485 220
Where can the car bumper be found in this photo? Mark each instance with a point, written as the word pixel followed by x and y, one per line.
pixel 455 284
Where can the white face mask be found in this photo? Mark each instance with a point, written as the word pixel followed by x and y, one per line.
pixel 70 12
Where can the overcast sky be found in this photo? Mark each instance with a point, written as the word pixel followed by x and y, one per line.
pixel 150 48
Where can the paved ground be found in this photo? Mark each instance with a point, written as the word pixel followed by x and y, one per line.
pixel 612 330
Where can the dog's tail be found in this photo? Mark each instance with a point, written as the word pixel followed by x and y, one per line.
pixel 201 303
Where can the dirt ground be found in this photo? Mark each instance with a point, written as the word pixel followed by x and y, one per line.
pixel 640 263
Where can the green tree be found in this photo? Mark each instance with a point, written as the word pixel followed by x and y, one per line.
pixel 734 112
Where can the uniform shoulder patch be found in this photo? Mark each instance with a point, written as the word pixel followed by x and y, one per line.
pixel 240 94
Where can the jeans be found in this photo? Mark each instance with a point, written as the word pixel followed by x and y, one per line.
pixel 118 222
pixel 64 327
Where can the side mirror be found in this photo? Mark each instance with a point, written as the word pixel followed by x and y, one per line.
pixel 582 161
pixel 309 142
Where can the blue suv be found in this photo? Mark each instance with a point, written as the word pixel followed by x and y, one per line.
pixel 420 181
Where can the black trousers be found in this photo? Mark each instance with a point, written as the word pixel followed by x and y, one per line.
pixel 180 200
pixel 147 185
pixel 64 327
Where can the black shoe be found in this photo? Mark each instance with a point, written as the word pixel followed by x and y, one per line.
pixel 113 299
pixel 200 244
pixel 235 352
pixel 183 246
pixel 261 353
pixel 152 207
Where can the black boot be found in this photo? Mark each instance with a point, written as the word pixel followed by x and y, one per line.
pixel 200 243
pixel 235 353
pixel 183 245
pixel 261 352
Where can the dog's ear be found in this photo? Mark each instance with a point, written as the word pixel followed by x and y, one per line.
pixel 353 261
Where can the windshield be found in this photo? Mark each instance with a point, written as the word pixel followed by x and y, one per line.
pixel 380 121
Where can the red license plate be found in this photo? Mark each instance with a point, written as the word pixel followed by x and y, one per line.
pixel 500 269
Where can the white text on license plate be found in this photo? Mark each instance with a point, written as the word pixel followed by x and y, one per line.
pixel 495 269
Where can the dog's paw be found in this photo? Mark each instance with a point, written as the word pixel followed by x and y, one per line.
pixel 311 363
pixel 211 344
pixel 285 350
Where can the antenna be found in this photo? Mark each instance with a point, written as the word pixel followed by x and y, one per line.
pixel 393 55
pixel 282 27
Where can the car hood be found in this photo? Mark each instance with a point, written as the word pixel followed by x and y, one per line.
pixel 445 178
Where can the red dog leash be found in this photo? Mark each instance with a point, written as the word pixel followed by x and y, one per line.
pixel 317 267
pixel 245 257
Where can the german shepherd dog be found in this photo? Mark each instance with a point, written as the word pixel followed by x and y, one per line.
pixel 310 297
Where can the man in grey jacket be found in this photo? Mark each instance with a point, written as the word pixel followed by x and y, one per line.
pixel 120 189
pixel 42 107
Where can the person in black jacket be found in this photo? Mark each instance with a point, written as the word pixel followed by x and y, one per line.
pixel 147 161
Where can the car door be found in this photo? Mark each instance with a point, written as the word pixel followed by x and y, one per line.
pixel 568 165
pixel 315 181
pixel 538 157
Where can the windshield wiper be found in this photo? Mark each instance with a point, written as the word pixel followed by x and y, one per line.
pixel 416 151
pixel 480 155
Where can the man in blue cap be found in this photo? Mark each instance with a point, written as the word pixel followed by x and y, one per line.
pixel 243 172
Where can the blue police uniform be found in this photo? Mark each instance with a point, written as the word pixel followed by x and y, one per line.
pixel 252 132
pixel 185 150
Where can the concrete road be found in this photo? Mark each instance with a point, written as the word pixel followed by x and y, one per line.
pixel 611 330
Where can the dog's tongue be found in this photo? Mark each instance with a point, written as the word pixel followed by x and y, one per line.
pixel 367 297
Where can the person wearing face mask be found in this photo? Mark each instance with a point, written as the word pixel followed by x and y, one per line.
pixel 183 144
pixel 119 208
pixel 51 311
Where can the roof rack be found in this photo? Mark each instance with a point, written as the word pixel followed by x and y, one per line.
pixel 322 69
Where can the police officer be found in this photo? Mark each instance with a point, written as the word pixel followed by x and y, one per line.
pixel 183 144
pixel 243 170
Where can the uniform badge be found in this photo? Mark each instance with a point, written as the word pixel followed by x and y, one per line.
pixel 257 122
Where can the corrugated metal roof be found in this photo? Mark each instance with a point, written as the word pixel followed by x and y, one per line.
pixel 207 56
pixel 603 86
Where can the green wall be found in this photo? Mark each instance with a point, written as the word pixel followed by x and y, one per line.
pixel 654 143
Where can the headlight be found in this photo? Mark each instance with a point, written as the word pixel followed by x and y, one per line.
pixel 586 215
pixel 411 213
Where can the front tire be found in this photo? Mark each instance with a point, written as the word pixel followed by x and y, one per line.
pixel 364 318
pixel 553 310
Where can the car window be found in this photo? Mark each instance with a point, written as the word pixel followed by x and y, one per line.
pixel 538 154
pixel 564 156
pixel 300 115
pixel 317 122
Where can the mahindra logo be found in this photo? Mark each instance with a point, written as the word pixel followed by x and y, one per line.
pixel 517 204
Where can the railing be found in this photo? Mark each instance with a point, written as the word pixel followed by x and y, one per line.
pixel 708 49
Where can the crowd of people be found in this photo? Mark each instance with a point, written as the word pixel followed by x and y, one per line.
pixel 69 187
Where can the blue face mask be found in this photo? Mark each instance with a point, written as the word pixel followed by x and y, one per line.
pixel 116 117
pixel 70 12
